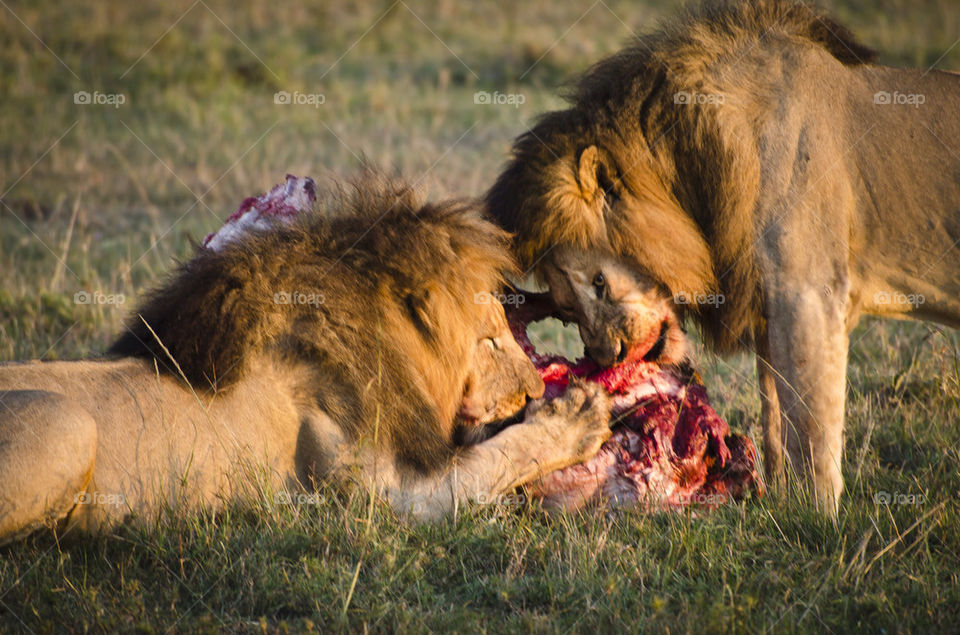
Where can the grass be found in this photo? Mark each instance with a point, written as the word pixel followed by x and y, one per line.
pixel 102 199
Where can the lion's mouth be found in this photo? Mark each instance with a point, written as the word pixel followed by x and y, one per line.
pixel 652 353
pixel 472 414
pixel 624 351
pixel 469 431
pixel 657 349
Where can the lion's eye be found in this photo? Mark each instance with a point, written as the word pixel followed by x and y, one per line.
pixel 492 342
pixel 599 285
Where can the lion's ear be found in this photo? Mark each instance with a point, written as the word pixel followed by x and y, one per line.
pixel 587 172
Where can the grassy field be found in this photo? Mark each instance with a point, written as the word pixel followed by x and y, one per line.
pixel 102 197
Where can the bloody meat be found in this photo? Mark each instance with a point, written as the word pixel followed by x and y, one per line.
pixel 669 448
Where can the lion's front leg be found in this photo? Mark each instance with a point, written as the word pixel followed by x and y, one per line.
pixel 769 413
pixel 555 434
pixel 808 352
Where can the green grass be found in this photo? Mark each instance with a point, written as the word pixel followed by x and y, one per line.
pixel 96 198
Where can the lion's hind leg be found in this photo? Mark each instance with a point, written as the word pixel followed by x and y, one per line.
pixel 48 445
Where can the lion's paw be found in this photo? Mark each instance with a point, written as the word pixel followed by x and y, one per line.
pixel 579 419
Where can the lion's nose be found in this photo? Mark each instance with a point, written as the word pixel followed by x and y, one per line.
pixel 532 383
pixel 604 347
pixel 606 353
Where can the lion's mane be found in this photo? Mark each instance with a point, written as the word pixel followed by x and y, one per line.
pixel 695 168
pixel 373 294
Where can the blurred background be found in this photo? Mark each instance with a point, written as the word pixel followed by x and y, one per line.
pixel 129 129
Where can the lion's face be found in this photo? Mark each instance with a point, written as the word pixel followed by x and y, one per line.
pixel 603 229
pixel 501 377
pixel 622 315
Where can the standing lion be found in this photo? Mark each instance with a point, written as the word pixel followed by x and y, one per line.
pixel 750 165
pixel 363 336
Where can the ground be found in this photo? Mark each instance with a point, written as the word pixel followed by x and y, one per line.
pixel 99 198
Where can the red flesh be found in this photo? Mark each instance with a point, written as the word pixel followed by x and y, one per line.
pixel 669 448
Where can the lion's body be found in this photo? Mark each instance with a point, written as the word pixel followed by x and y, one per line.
pixel 156 444
pixel 873 189
pixel 858 213
pixel 905 208
pixel 249 388
pixel 746 153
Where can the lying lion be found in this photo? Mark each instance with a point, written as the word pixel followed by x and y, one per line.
pixel 357 337
pixel 748 165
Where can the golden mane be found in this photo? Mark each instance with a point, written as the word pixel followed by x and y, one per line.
pixel 692 173
pixel 374 293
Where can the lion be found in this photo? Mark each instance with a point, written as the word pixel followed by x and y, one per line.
pixel 748 165
pixel 360 339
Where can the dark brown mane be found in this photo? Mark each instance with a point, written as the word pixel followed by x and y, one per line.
pixel 374 257
pixel 694 169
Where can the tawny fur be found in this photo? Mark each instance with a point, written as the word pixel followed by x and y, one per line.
pixel 793 195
